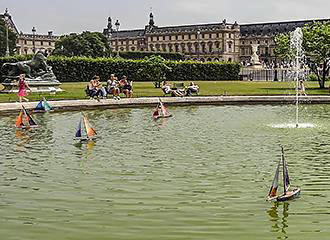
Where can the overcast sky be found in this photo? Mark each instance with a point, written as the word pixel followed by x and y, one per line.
pixel 65 16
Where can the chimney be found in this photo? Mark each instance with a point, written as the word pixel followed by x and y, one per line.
pixel 50 33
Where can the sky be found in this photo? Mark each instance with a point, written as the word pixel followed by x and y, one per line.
pixel 67 16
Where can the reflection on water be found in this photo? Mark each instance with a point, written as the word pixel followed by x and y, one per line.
pixel 279 219
pixel 202 174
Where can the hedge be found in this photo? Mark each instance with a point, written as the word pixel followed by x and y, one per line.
pixel 82 69
pixel 140 55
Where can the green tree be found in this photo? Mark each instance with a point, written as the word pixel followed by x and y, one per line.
pixel 154 69
pixel 3 39
pixel 316 44
pixel 89 44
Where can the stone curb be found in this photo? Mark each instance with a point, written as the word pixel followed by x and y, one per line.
pixel 152 101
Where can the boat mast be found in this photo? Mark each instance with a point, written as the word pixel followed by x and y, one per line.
pixel 284 184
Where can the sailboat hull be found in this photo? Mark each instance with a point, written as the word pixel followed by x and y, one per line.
pixel 162 116
pixel 84 139
pixel 295 193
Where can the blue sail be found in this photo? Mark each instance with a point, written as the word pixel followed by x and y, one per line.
pixel 40 106
pixel 47 106
pixel 287 179
pixel 78 132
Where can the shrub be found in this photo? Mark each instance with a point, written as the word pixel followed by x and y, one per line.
pixel 142 55
pixel 312 77
pixel 70 69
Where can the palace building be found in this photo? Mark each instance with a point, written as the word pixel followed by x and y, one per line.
pixel 30 43
pixel 221 41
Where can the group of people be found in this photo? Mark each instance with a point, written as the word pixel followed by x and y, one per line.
pixel 113 87
pixel 187 91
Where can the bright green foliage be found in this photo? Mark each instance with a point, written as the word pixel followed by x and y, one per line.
pixel 142 55
pixel 88 44
pixel 154 69
pixel 82 69
pixel 3 39
pixel 316 44
pixel 283 49
pixel 317 47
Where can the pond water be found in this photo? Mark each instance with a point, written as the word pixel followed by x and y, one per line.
pixel 202 174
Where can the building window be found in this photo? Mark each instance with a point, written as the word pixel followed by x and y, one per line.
pixel 49 43
pixel 243 43
pixel 176 37
pixel 203 35
pixel 258 42
pixel 41 43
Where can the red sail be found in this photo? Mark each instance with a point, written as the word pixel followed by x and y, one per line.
pixel 19 120
pixel 89 130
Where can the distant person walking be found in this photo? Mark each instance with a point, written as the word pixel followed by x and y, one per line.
pixel 22 88
pixel 301 88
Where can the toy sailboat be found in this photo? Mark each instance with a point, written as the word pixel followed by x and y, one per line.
pixel 43 106
pixel 287 194
pixel 161 111
pixel 24 120
pixel 84 130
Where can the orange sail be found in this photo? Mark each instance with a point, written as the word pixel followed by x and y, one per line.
pixel 19 120
pixel 89 130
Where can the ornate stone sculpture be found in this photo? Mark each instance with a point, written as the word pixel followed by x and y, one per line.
pixel 39 75
pixel 255 58
pixel 35 69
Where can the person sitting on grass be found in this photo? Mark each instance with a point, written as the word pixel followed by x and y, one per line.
pixel 126 87
pixel 112 86
pixel 167 89
pixel 192 88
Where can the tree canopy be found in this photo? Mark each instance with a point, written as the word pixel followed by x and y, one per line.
pixel 316 45
pixel 89 44
pixel 3 39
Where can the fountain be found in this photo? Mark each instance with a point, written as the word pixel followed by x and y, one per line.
pixel 297 74
pixel 296 46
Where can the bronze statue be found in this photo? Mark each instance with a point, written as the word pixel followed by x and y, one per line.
pixel 35 69
pixel 39 75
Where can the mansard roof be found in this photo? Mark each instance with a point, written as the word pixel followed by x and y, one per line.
pixel 171 29
pixel 11 23
pixel 127 33
pixel 274 28
pixel 192 28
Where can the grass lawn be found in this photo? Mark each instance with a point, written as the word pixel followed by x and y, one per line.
pixel 75 90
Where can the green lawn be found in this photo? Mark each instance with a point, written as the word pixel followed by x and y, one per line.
pixel 207 88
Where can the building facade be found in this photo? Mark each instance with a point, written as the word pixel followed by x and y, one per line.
pixel 220 41
pixel 30 43
pixel 205 42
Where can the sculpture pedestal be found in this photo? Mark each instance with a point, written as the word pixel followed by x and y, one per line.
pixel 256 66
pixel 35 86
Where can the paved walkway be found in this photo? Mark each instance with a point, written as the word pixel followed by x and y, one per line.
pixel 152 101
